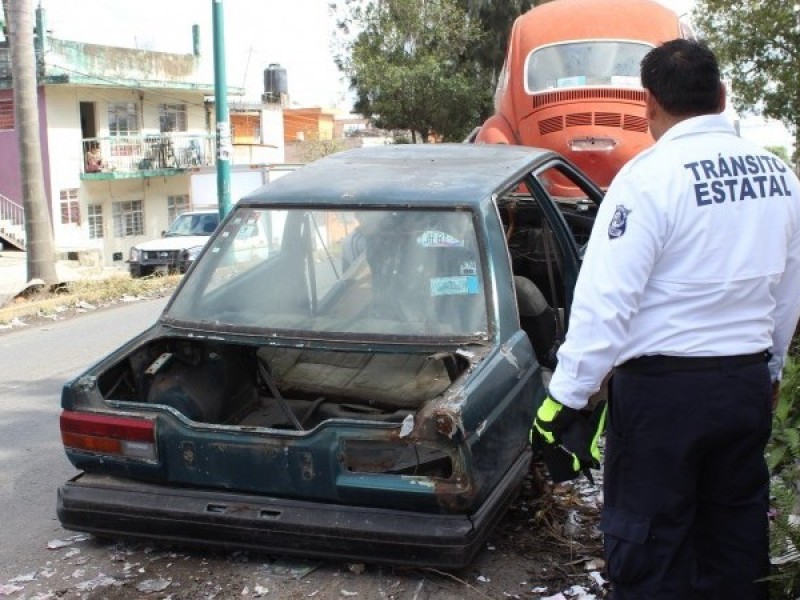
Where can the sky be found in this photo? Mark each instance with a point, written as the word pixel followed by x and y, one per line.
pixel 297 34
pixel 761 131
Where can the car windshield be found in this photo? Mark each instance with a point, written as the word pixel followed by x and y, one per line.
pixel 401 273
pixel 193 224
pixel 581 64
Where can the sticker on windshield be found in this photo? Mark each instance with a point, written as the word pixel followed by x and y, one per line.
pixel 626 81
pixel 438 239
pixel 468 267
pixel 454 286
pixel 576 81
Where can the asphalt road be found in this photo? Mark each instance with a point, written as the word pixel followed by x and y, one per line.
pixel 35 362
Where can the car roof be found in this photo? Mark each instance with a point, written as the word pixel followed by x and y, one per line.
pixel 418 174
pixel 575 20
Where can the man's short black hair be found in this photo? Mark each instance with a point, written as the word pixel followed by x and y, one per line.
pixel 683 76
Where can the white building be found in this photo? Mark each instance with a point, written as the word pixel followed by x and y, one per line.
pixel 150 115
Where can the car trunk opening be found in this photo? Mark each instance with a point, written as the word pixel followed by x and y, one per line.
pixel 279 387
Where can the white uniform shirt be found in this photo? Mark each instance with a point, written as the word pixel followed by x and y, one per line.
pixel 695 252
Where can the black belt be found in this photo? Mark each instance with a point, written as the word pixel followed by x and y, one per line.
pixel 661 363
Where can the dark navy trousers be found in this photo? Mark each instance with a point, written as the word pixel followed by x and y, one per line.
pixel 686 486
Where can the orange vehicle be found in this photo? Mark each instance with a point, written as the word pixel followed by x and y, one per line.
pixel 570 82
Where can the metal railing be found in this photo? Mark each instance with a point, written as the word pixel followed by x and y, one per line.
pixel 12 221
pixel 146 152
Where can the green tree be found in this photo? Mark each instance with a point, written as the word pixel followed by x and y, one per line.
pixel 779 151
pixel 758 45
pixel 495 18
pixel 311 150
pixel 409 66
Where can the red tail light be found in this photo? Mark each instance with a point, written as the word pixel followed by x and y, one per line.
pixel 102 434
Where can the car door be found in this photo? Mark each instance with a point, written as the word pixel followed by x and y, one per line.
pixel 570 220
pixel 545 235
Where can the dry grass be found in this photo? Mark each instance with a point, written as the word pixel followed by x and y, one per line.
pixel 119 286
pixel 43 302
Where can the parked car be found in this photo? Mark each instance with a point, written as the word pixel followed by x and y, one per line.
pixel 570 82
pixel 179 245
pixel 377 413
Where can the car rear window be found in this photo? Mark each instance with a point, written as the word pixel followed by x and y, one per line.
pixel 401 273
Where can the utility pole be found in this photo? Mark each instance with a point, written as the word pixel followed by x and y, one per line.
pixel 38 228
pixel 224 145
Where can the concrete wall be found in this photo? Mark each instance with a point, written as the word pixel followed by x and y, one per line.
pixel 76 59
pixel 243 181
pixel 307 124
pixel 10 177
pixel 152 191
pixel 10 183
pixel 272 132
pixel 64 137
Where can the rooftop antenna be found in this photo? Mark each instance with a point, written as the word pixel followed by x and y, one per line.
pixel 246 67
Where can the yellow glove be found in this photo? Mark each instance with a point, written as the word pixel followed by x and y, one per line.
pixel 568 438
pixel 552 419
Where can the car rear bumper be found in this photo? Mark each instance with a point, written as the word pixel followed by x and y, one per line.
pixel 110 506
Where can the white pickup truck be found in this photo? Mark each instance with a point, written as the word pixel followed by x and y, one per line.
pixel 177 248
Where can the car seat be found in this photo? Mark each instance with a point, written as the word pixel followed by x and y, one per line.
pixel 538 320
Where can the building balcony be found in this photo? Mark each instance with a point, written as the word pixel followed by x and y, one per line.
pixel 146 155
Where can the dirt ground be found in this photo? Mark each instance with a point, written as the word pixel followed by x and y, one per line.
pixel 547 547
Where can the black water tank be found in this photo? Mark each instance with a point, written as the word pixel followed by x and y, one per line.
pixel 275 82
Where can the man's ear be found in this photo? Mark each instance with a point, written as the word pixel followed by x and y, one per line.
pixel 723 93
pixel 654 113
pixel 652 107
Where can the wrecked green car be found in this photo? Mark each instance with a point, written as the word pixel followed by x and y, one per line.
pixel 348 370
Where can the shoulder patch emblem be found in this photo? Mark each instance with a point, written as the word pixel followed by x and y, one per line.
pixel 619 221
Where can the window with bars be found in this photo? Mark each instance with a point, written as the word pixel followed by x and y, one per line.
pixel 94 218
pixel 6 115
pixel 172 117
pixel 128 218
pixel 122 119
pixel 70 208
pixel 177 205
